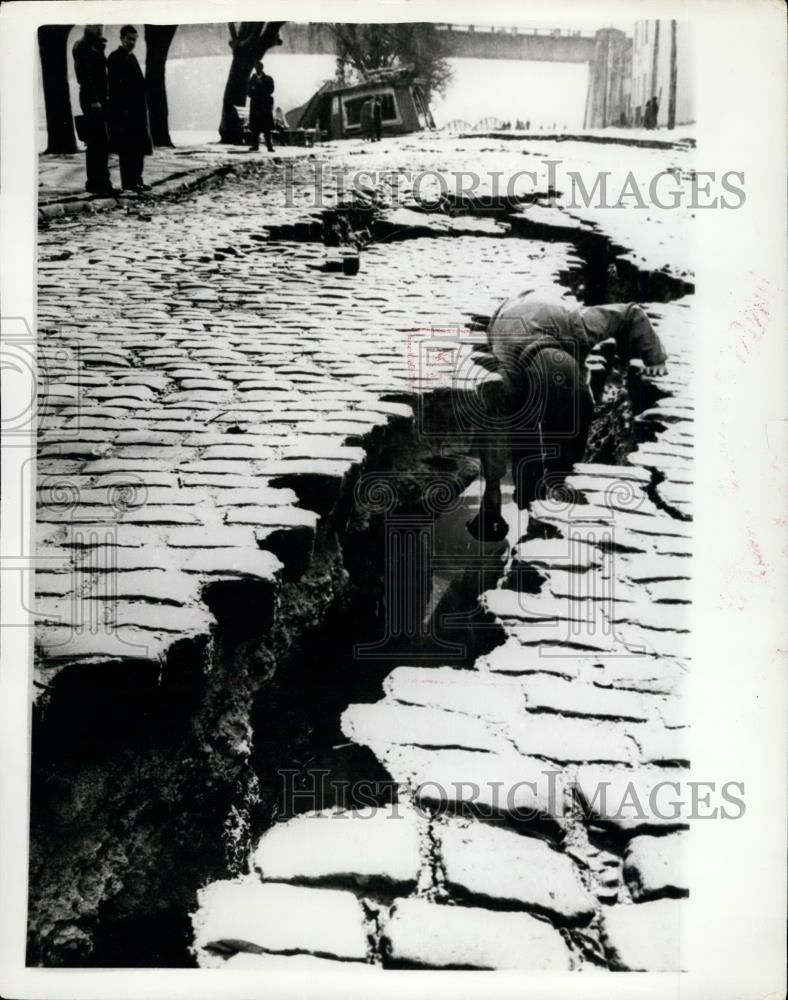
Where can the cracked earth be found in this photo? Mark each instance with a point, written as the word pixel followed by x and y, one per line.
pixel 218 385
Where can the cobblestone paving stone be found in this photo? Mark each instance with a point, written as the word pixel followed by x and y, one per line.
pixel 192 361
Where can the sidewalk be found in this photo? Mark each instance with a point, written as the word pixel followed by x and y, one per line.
pixel 61 177
pixel 682 136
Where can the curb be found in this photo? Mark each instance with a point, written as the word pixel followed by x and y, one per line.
pixel 575 137
pixel 186 181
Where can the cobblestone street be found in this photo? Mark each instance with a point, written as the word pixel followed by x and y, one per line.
pixel 224 395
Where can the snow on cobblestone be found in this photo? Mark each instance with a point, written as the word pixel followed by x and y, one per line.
pixel 194 359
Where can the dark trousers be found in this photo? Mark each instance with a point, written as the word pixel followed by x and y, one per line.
pixel 96 158
pixel 378 127
pixel 266 136
pixel 131 164
pixel 547 413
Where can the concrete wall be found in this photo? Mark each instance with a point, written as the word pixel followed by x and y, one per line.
pixel 608 81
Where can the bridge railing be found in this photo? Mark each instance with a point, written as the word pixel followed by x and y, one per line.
pixel 489 29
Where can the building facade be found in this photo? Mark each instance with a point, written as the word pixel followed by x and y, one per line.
pixel 625 73
pixel 662 68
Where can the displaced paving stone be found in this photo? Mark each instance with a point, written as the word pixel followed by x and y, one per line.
pixel 650 641
pixel 424 934
pixel 646 937
pixel 465 691
pixel 637 797
pixel 281 918
pixel 614 472
pixel 566 554
pixel 576 636
pixel 61 645
pixel 258 563
pixel 361 845
pixel 565 739
pixel 513 658
pixel 485 783
pixel 669 591
pixel 267 516
pixel 389 722
pixel 659 745
pixel 106 612
pixel 654 866
pixel 661 617
pixel 489 861
pixel 674 712
pixel 651 674
pixel 166 586
pixel 552 694
pixel 505 603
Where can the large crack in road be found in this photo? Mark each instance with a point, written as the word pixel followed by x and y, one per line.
pixel 198 355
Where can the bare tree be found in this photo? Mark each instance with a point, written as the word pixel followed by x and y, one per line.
pixel 157 45
pixel 52 49
pixel 365 47
pixel 249 41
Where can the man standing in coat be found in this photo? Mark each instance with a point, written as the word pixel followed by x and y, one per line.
pixel 128 111
pixel 90 67
pixel 261 108
pixel 540 348
pixel 377 118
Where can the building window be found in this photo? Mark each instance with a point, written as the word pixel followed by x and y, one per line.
pixel 353 107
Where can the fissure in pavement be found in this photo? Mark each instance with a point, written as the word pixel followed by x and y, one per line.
pixel 171 776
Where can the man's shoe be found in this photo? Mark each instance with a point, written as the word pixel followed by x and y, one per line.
pixel 142 186
pixel 253 149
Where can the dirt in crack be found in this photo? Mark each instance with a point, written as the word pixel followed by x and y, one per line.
pixel 416 578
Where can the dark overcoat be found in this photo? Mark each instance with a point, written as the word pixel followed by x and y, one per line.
pixel 261 103
pixel 90 67
pixel 128 108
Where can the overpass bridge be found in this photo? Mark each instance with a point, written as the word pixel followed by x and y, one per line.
pixel 462 40
pixel 532 44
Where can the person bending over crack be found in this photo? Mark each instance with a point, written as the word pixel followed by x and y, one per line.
pixel 540 348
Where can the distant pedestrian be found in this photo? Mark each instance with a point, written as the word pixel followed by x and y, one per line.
pixel 654 111
pixel 261 108
pixel 650 113
pixel 377 118
pixel 528 125
pixel 366 120
pixel 129 130
pixel 90 67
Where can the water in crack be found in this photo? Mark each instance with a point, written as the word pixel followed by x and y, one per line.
pixel 301 757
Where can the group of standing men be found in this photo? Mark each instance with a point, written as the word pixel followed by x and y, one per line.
pixel 114 110
pixel 372 119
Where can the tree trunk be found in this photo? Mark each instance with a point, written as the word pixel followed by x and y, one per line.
pixel 655 63
pixel 249 43
pixel 673 77
pixel 52 40
pixel 157 45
